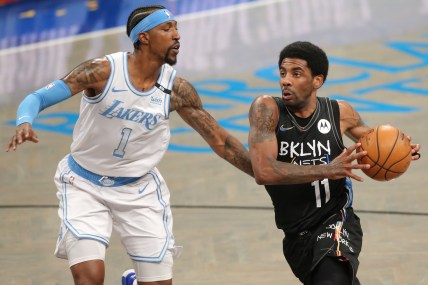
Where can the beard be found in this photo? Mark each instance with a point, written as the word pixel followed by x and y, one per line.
pixel 169 60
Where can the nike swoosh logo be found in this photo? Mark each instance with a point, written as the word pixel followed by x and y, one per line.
pixel 118 90
pixel 281 128
pixel 142 190
pixel 20 118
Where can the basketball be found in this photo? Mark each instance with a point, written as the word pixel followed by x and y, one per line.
pixel 388 152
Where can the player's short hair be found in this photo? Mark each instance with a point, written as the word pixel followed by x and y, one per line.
pixel 137 15
pixel 315 57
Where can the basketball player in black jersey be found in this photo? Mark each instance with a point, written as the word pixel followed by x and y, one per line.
pixel 323 236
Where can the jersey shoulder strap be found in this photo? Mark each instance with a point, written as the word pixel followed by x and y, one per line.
pixel 281 108
pixel 334 117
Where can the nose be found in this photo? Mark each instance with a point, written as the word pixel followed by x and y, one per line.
pixel 176 35
pixel 285 80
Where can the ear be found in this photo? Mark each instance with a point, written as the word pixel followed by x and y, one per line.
pixel 144 38
pixel 318 81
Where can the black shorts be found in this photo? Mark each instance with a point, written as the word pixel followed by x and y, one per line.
pixel 340 236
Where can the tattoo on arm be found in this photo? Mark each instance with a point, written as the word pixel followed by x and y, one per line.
pixel 186 101
pixel 88 75
pixel 261 116
pixel 185 95
pixel 236 154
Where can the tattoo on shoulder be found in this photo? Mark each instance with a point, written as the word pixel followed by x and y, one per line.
pixel 261 117
pixel 89 73
pixel 184 95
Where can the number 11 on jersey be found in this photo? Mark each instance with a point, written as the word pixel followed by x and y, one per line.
pixel 317 187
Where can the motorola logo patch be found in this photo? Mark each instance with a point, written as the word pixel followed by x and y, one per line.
pixel 324 126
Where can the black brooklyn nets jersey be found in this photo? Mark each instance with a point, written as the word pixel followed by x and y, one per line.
pixel 311 141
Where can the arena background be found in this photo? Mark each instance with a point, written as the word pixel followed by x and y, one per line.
pixel 378 51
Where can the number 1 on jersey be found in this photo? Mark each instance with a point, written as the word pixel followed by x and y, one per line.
pixel 316 184
pixel 120 150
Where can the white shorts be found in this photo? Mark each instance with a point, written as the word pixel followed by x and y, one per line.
pixel 80 250
pixel 139 212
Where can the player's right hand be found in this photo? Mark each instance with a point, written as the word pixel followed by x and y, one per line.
pixel 24 132
pixel 343 165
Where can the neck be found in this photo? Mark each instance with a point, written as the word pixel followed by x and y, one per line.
pixel 305 111
pixel 143 70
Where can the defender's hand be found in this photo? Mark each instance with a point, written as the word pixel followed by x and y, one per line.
pixel 24 132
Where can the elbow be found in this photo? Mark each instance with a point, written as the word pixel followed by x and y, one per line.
pixel 263 173
pixel 261 178
pixel 260 181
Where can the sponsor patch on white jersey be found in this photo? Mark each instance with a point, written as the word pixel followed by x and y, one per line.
pixel 156 100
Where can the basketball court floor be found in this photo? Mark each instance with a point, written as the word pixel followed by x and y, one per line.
pixel 379 62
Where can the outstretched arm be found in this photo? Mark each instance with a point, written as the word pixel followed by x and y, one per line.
pixel 89 76
pixel 268 170
pixel 186 101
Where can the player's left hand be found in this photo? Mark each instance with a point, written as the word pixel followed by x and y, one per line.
pixel 24 132
pixel 415 150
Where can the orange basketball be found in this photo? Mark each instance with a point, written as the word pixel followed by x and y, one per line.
pixel 388 152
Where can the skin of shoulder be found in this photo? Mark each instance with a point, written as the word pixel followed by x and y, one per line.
pixel 263 116
pixel 184 95
pixel 89 76
pixel 351 123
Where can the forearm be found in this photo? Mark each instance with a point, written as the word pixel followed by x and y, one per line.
pixel 236 154
pixel 34 103
pixel 278 172
pixel 295 174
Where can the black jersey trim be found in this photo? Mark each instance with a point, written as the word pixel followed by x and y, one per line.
pixel 163 89
pixel 334 115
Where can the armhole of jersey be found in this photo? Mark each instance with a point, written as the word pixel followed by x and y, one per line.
pixel 167 89
pixel 98 98
pixel 334 115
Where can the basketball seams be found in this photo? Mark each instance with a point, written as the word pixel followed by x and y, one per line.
pixel 377 145
pixel 388 152
pixel 382 167
pixel 392 148
pixel 378 156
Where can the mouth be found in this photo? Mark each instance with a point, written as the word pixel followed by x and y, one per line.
pixel 175 48
pixel 286 94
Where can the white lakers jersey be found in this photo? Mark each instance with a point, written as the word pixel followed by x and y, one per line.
pixel 123 131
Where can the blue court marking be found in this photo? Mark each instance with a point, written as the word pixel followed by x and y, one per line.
pixel 62 123
pixel 417 50
pixel 398 86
